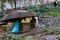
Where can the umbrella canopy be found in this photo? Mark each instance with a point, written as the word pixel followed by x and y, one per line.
pixel 17 14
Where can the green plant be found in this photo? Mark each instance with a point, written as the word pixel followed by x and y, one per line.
pixel 27 38
pixel 54 13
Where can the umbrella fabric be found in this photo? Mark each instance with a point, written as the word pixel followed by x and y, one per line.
pixel 17 14
pixel 15 28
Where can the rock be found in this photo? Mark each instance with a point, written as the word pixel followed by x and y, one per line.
pixel 49 22
pixel 50 37
pixel 38 37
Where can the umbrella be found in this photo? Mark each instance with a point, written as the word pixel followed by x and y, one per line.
pixel 17 14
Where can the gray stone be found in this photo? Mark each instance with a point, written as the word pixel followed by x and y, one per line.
pixel 49 22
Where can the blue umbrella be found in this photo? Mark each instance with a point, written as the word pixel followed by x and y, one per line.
pixel 16 27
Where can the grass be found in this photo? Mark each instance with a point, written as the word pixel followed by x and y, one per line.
pixel 54 31
pixel 27 38
pixel 14 37
pixel 52 13
pixel 58 2
pixel 55 13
